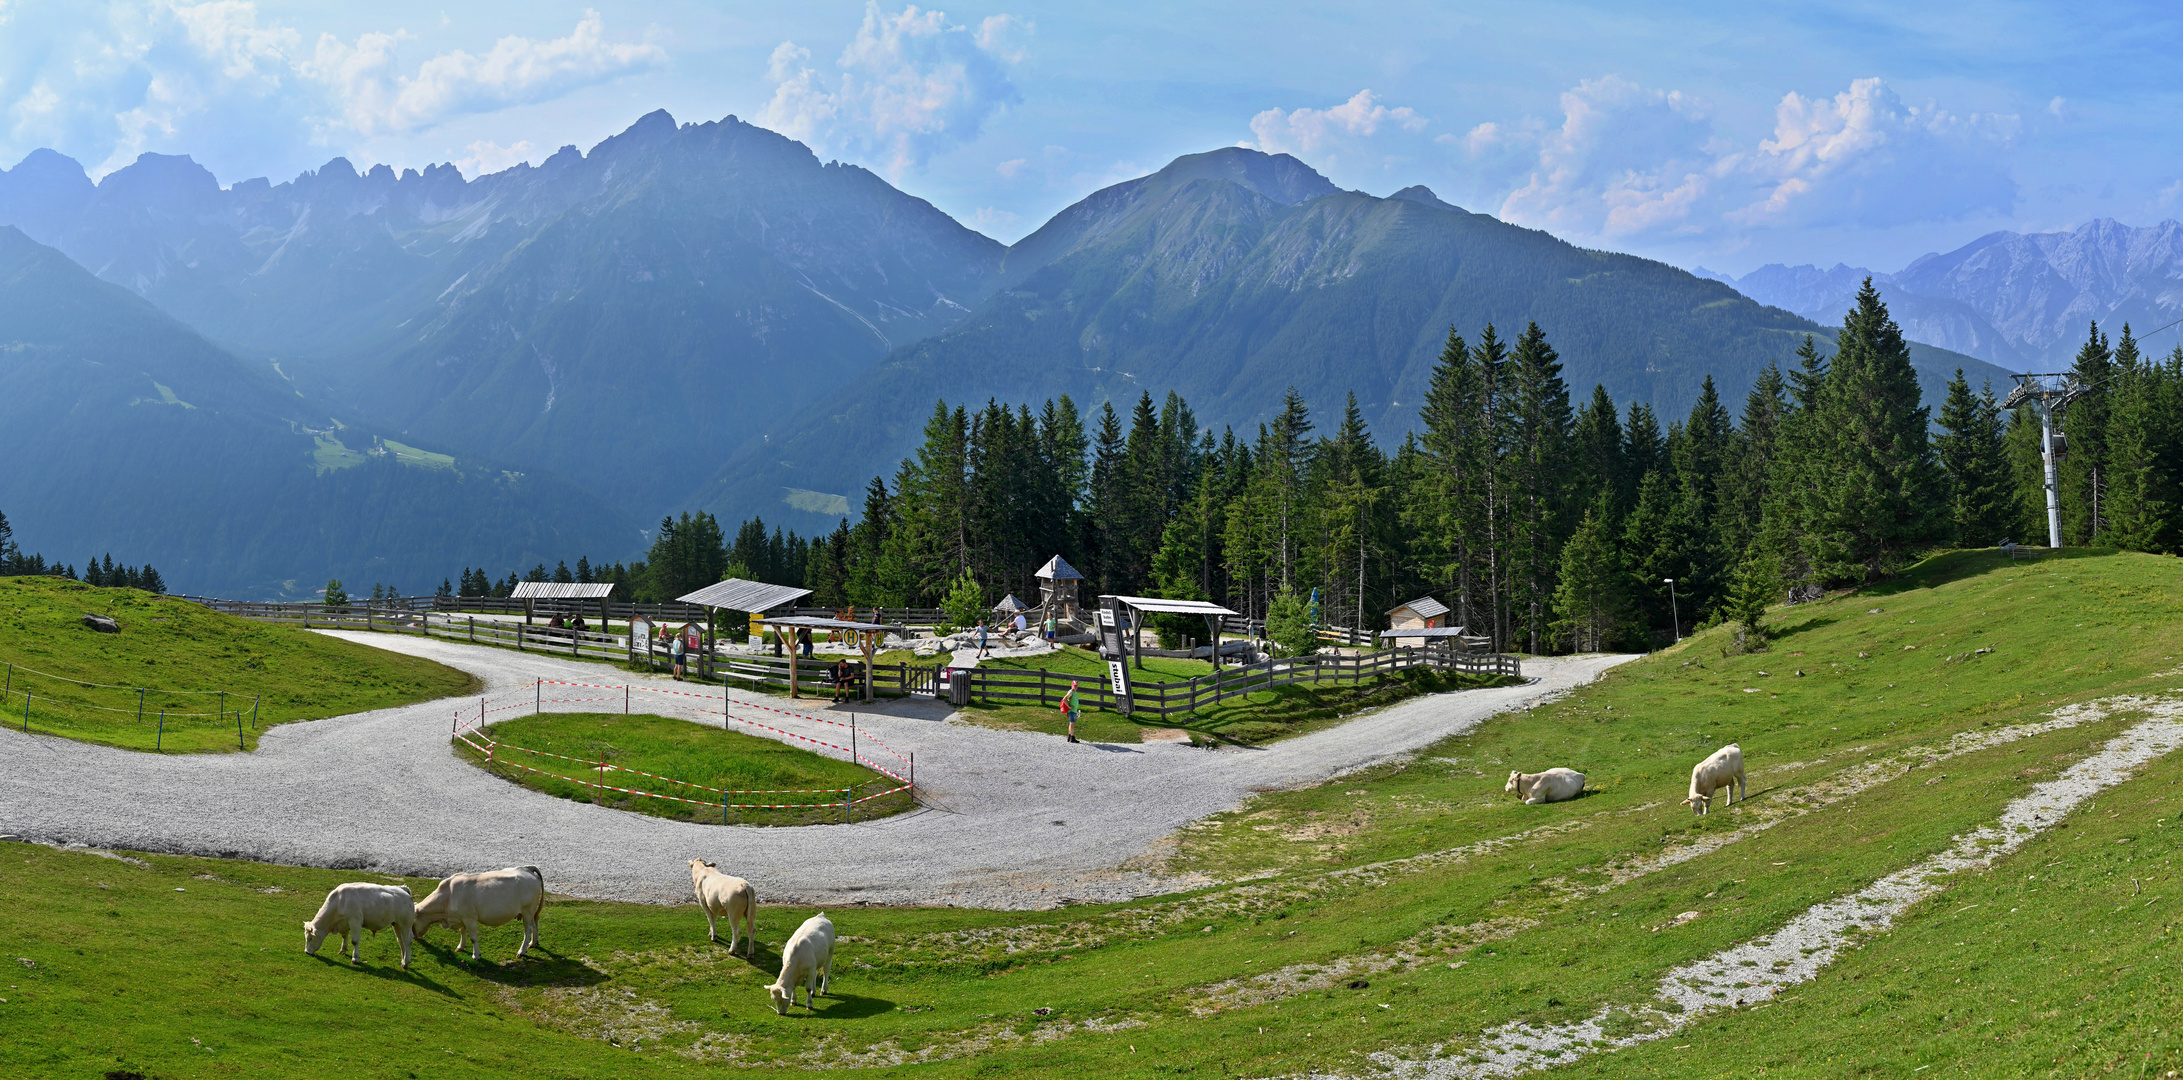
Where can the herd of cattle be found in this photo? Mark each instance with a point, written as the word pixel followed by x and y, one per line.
pixel 465 902
pixel 1722 770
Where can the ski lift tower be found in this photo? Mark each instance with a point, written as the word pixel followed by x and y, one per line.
pixel 2050 394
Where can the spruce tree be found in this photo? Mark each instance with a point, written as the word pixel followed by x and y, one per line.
pixel 1591 607
pixel 1538 477
pixel 2083 470
pixel 1972 457
pixel 1880 502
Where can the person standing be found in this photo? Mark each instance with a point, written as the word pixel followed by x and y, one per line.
pixel 1069 708
pixel 1051 624
pixel 981 639
pixel 803 639
pixel 676 650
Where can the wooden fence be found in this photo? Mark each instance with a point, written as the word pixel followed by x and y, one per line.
pixel 1045 688
pixel 1166 699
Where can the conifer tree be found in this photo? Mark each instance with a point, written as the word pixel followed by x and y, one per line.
pixel 1879 503
pixel 1972 457
pixel 1590 602
pixel 1538 479
pixel 2083 469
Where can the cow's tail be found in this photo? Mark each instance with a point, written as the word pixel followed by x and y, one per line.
pixel 541 876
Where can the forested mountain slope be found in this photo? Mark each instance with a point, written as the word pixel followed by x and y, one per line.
pixel 1232 276
pixel 125 431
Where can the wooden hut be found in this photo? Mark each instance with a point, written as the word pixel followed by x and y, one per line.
pixel 1424 613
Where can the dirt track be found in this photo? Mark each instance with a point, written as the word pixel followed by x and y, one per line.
pixel 1013 820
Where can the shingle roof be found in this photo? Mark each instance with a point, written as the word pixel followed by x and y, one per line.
pixel 1426 607
pixel 735 594
pixel 1058 569
pixel 557 590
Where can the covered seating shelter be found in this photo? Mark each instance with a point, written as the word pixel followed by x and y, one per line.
pixel 1140 606
pixel 868 635
pixel 737 594
pixel 531 592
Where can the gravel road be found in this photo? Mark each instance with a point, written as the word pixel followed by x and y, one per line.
pixel 1011 819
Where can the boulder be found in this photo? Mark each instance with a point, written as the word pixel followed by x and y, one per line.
pixel 102 623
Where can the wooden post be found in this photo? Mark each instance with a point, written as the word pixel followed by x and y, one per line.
pixel 867 638
pixel 792 666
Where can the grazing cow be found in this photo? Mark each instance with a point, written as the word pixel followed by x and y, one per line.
pixel 722 895
pixel 468 901
pixel 1723 770
pixel 1553 785
pixel 807 961
pixel 358 906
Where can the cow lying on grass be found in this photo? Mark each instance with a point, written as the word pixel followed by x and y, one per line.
pixel 807 961
pixel 721 895
pixel 1723 770
pixel 1553 785
pixel 358 906
pixel 468 901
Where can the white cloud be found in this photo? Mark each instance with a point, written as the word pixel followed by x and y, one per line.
pixel 373 97
pixel 989 220
pixel 104 82
pixel 1008 169
pixel 1324 134
pixel 486 156
pixel 1630 162
pixel 909 85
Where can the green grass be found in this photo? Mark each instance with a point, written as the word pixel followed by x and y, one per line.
pixel 173 645
pixel 1244 720
pixel 1514 913
pixel 681 750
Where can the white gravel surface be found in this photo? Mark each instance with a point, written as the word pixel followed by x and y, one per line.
pixel 1010 819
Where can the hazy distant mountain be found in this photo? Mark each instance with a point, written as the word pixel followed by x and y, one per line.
pixel 1233 275
pixel 709 315
pixel 2013 299
pixel 623 317
pixel 126 432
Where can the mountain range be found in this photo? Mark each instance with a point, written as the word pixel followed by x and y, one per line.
pixel 2021 301
pixel 707 315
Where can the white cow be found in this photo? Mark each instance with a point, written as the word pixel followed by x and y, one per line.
pixel 468 901
pixel 358 906
pixel 1723 770
pixel 807 961
pixel 1553 785
pixel 722 895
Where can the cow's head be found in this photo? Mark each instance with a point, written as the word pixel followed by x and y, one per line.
pixel 1697 803
pixel 421 922
pixel 314 935
pixel 1515 782
pixel 782 997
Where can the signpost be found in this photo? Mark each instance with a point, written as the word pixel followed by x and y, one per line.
pixel 1114 642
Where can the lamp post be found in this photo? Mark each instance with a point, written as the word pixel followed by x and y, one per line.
pixel 1673 611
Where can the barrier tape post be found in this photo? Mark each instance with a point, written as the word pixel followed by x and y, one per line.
pixel 625 699
pixel 723 808
pixel 538 697
pixel 852 738
pixel 26 712
pixel 913 774
pixel 255 701
pixel 139 703
pixel 848 815
pixel 238 722
pixel 159 745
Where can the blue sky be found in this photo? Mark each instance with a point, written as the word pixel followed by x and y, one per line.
pixel 1728 135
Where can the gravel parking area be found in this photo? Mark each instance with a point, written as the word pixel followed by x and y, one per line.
pixel 1011 819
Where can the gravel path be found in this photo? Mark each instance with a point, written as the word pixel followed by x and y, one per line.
pixel 1012 819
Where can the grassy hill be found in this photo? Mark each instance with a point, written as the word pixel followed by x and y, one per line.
pixel 82 683
pixel 1385 917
